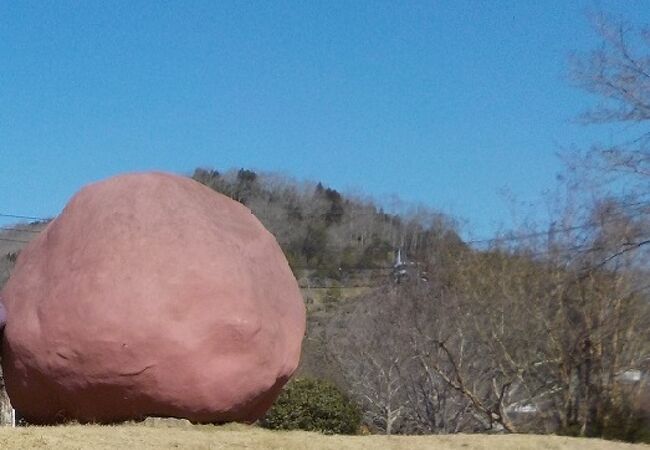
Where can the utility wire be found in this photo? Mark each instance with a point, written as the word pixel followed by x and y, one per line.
pixel 520 237
pixel 14 240
pixel 22 230
pixel 18 216
pixel 551 232
pixel 513 238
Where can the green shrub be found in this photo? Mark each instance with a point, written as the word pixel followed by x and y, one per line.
pixel 627 424
pixel 313 405
pixel 622 424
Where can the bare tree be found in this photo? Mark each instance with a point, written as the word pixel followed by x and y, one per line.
pixel 372 356
pixel 617 73
pixel 396 363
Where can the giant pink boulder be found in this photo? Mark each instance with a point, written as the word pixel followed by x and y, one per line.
pixel 150 295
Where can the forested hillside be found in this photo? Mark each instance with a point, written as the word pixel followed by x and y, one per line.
pixel 333 235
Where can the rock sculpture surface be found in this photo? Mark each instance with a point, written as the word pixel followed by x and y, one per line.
pixel 150 295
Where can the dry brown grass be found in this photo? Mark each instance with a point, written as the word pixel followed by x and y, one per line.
pixel 134 436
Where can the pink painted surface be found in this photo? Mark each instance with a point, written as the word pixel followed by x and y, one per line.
pixel 150 295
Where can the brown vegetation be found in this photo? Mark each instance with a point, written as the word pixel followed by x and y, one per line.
pixel 136 437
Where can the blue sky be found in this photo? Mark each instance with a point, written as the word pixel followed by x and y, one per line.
pixel 442 103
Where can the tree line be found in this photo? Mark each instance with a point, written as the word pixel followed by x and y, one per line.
pixel 321 230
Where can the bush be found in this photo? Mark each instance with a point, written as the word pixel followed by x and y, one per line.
pixel 313 405
pixel 627 424
pixel 623 424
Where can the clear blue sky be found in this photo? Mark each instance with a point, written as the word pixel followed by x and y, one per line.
pixel 443 103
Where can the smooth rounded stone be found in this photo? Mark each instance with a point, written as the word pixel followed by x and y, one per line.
pixel 150 295
pixel 166 422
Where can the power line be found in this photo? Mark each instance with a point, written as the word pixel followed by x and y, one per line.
pixel 14 240
pixel 22 230
pixel 554 231
pixel 18 216
pixel 530 235
pixel 513 238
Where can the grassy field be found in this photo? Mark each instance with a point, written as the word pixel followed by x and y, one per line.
pixel 136 436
